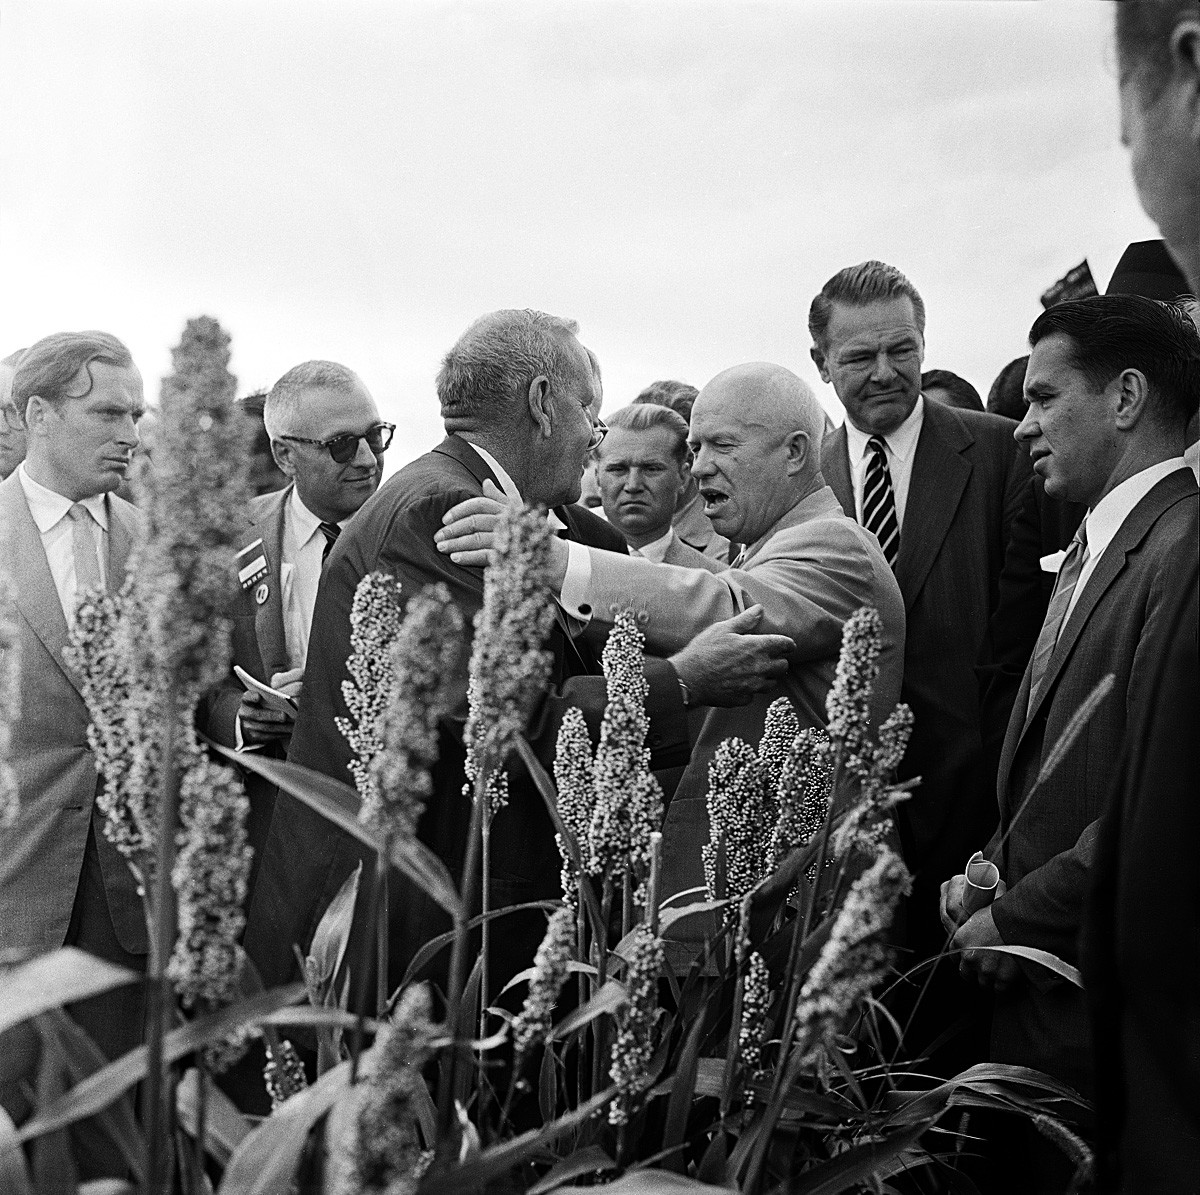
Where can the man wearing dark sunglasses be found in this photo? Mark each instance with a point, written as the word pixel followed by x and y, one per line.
pixel 327 437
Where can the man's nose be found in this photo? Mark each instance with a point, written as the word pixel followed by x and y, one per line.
pixel 1026 429
pixel 884 369
pixel 364 456
pixel 700 464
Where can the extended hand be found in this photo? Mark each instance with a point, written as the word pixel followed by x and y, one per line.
pixel 289 682
pixel 988 968
pixel 727 663
pixel 468 531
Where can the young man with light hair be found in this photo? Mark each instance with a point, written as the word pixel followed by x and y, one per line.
pixel 63 532
pixel 642 469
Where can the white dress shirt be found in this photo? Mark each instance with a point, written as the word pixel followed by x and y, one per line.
pixel 656 550
pixel 1103 523
pixel 300 574
pixel 901 449
pixel 577 575
pixel 49 511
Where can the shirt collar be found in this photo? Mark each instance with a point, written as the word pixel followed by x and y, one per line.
pixel 656 549
pixel 1104 521
pixel 510 487
pixel 900 441
pixel 48 506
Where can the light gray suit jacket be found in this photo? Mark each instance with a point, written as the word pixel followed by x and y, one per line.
pixel 57 781
pixel 810 572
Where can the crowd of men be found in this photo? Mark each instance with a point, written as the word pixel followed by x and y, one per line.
pixel 1015 566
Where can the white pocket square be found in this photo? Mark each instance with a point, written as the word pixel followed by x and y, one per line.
pixel 1053 562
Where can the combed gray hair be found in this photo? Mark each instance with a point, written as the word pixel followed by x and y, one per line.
pixel 496 359
pixel 281 409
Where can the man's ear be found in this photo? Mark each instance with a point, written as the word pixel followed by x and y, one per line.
pixel 1131 398
pixel 797 452
pixel 818 356
pixel 285 457
pixel 1185 61
pixel 37 410
pixel 540 406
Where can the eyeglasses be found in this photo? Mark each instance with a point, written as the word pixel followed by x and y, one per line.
pixel 599 431
pixel 345 448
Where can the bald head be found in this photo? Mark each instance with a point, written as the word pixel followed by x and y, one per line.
pixel 768 397
pixel 756 434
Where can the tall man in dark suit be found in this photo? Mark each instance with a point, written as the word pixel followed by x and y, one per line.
pixel 518 396
pixel 1112 382
pixel 327 438
pixel 940 488
pixel 63 531
pixel 1142 946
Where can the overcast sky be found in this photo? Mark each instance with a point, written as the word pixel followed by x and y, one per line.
pixel 357 181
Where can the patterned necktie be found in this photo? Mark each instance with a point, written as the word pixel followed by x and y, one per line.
pixel 83 547
pixel 879 503
pixel 1056 613
pixel 330 531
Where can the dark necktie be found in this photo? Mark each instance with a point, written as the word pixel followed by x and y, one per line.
pixel 879 503
pixel 1056 612
pixel 330 531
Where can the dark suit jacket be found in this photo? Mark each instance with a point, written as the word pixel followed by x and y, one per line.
pixel 1117 626
pixel 307 859
pixel 42 854
pixel 260 647
pixel 1141 949
pixel 968 481
pixel 1043 526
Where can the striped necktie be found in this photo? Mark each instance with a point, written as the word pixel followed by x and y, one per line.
pixel 1056 613
pixel 879 503
pixel 330 531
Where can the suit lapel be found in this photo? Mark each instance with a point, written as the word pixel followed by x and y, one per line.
pixel 1112 563
pixel 939 477
pixel 37 596
pixel 268 621
pixel 120 545
pixel 835 466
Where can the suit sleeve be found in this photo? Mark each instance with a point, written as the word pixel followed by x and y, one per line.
pixel 807 595
pixel 1045 909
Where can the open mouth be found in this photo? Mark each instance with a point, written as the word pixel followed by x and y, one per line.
pixel 714 500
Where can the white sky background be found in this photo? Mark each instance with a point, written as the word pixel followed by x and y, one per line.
pixel 357 181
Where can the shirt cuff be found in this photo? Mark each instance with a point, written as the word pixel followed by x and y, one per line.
pixel 575 584
pixel 238 742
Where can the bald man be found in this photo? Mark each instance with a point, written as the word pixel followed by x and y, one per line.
pixel 755 434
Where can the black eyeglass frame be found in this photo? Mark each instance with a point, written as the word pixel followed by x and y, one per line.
pixel 352 439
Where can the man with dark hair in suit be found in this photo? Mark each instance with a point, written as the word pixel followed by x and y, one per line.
pixel 63 532
pixel 940 488
pixel 1112 382
pixel 328 440
pixel 518 394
